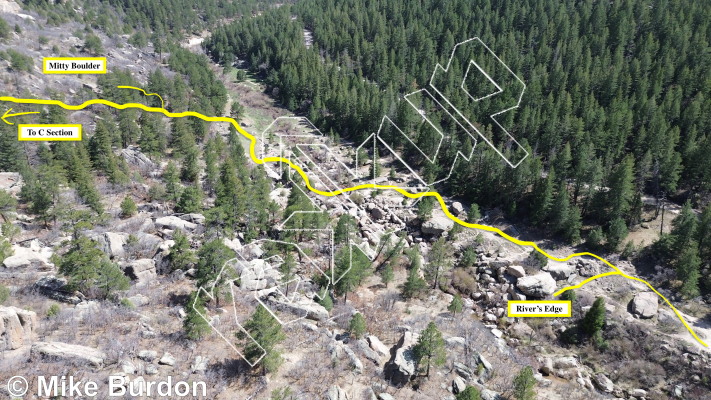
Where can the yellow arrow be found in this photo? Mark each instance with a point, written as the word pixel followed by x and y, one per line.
pixel 6 115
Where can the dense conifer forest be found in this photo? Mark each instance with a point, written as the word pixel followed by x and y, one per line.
pixel 613 111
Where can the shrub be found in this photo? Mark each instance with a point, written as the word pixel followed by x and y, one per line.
pixel 473 214
pixel 19 62
pixel 4 29
pixel 357 198
pixel 595 237
pixel 92 44
pixel 469 257
pixel 470 393
pixel 463 281
pixel 157 192
pixel 127 304
pixel 4 294
pixel 53 310
pixel 524 384
pixel 128 207
pixel 190 200
pixel 357 326
pixel 326 301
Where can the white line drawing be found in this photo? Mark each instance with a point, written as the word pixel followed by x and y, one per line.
pixel 309 150
pixel 440 69
pixel 466 75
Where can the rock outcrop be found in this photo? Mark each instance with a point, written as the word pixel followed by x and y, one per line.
pixel 57 289
pixel 10 182
pixel 559 270
pixel 539 285
pixel 143 271
pixel 336 393
pixel 516 271
pixel 603 383
pixel 16 327
pixel 644 305
pixel 436 225
pixel 136 158
pixel 69 352
pixel 301 307
pixel 377 345
pixel 112 243
pixel 257 275
pixel 401 367
pixel 173 222
pixel 32 254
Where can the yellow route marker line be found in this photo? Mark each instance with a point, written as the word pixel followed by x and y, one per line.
pixel 445 209
pixel 162 103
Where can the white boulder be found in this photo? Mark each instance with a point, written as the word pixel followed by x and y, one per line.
pixel 645 305
pixel 539 285
pixel 69 352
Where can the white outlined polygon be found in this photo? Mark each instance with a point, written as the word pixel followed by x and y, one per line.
pixel 440 69
pixel 320 176
pixel 465 125
pixel 466 75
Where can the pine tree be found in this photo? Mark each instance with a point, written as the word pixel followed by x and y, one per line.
pixel 703 232
pixel 542 198
pixel 351 267
pixel 212 172
pixel 152 137
pixel 683 229
pixel 181 257
pixel 172 181
pixel 595 237
pixel 326 300
pixel 357 326
pixel 210 268
pixel 386 274
pixel 616 234
pixel 430 348
pixel 687 270
pixel 195 326
pixel 41 191
pixel 89 271
pixel 288 271
pixel 439 261
pixel 345 228
pixel 473 215
pixel 128 127
pixel 10 151
pixel 375 167
pixel 80 173
pixel 561 213
pixel 425 207
pixel 231 196
pixel 190 200
pixel 109 279
pixel 190 170
pixel 128 207
pixel 562 163
pixel 414 285
pixel 572 226
pixel 524 385
pixel 266 332
pixel 81 262
pixel 470 393
pixel 621 189
pixel 594 319
pixel 101 152
pixel 456 305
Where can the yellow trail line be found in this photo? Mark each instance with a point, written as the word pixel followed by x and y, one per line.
pixel 162 103
pixel 445 209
